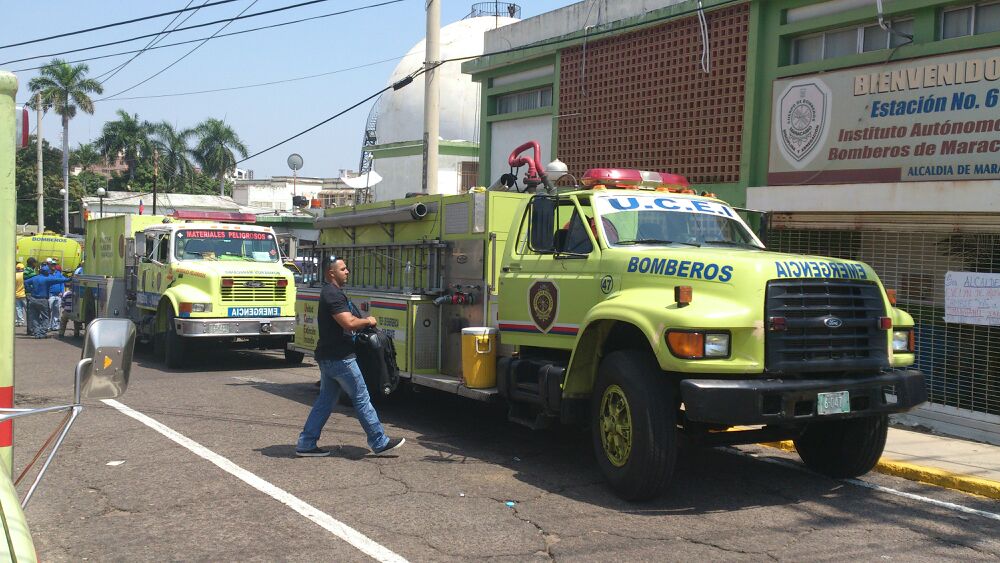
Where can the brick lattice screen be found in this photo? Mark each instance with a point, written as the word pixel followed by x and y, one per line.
pixel 641 99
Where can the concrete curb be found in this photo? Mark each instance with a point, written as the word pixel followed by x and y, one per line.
pixel 922 474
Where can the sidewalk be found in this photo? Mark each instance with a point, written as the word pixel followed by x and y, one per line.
pixel 952 463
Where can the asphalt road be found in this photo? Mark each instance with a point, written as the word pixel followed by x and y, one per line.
pixel 121 491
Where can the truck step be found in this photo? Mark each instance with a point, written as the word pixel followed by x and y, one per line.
pixel 453 385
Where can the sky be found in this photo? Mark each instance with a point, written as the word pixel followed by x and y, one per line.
pixel 261 116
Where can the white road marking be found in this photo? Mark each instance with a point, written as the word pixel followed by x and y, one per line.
pixel 873 486
pixel 329 523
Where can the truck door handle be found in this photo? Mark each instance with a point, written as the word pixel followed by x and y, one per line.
pixel 512 267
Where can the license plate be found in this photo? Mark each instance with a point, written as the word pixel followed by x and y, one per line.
pixel 254 311
pixel 837 402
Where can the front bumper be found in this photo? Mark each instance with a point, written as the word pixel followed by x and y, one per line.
pixel 235 327
pixel 775 401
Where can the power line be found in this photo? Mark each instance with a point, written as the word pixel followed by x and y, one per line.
pixel 395 86
pixel 409 78
pixel 341 12
pixel 245 86
pixel 148 35
pixel 184 56
pixel 106 26
pixel 152 42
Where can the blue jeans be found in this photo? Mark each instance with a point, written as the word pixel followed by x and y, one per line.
pixel 38 313
pixel 55 310
pixel 20 309
pixel 337 375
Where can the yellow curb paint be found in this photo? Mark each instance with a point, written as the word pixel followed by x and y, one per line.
pixel 928 475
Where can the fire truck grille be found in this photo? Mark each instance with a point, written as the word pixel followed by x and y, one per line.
pixel 829 326
pixel 252 288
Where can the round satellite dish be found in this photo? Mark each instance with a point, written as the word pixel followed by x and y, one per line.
pixel 295 161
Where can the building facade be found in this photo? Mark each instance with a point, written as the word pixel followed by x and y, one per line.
pixel 276 192
pixel 866 136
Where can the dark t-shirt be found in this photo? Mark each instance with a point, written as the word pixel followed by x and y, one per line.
pixel 334 342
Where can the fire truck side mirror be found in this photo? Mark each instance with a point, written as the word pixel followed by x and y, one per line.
pixel 108 348
pixel 541 223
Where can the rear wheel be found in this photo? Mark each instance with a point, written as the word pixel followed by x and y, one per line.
pixel 634 425
pixel 843 448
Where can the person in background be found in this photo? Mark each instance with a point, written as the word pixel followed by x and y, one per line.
pixel 20 300
pixel 37 288
pixel 30 271
pixel 67 311
pixel 55 296
pixel 338 368
pixel 31 268
pixel 79 269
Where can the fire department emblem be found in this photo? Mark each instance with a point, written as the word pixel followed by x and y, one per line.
pixel 803 115
pixel 543 301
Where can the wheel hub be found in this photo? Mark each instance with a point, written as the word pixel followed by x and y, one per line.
pixel 616 425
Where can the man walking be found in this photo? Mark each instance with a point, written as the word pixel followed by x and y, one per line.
pixel 55 297
pixel 338 368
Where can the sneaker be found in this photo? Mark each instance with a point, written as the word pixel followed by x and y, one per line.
pixel 392 444
pixel 315 452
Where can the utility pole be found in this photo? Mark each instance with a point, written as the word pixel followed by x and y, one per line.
pixel 432 102
pixel 38 142
pixel 65 163
pixel 156 173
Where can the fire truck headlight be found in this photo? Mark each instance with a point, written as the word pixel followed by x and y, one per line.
pixel 697 345
pixel 201 307
pixel 716 345
pixel 902 340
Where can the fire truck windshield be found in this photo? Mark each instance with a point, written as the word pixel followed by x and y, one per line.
pixel 660 219
pixel 219 244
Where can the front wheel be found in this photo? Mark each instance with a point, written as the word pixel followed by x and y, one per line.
pixel 294 357
pixel 174 347
pixel 633 421
pixel 843 448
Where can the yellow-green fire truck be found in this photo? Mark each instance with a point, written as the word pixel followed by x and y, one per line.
pixel 634 305
pixel 195 277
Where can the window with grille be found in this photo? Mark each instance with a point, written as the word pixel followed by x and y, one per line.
pixel 850 41
pixel 975 19
pixel 960 361
pixel 524 101
pixel 468 174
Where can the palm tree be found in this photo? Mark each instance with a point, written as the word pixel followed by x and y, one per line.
pixel 127 137
pixel 65 87
pixel 85 156
pixel 172 145
pixel 214 151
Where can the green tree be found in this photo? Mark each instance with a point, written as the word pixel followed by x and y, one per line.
pixel 85 156
pixel 64 88
pixel 214 150
pixel 174 160
pixel 129 137
pixel 25 182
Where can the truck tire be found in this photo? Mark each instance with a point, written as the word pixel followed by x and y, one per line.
pixel 633 425
pixel 294 357
pixel 843 448
pixel 174 347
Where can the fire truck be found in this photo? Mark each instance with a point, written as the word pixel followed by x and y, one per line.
pixel 189 279
pixel 631 304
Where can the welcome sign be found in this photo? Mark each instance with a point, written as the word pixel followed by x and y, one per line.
pixel 936 118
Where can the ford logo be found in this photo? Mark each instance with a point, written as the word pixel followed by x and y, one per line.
pixel 257 283
pixel 833 322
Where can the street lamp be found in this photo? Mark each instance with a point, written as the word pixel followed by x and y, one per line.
pixel 101 192
pixel 62 192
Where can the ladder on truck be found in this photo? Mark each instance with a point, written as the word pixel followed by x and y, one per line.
pixel 396 267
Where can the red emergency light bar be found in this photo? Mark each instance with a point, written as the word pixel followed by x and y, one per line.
pixel 220 216
pixel 629 179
